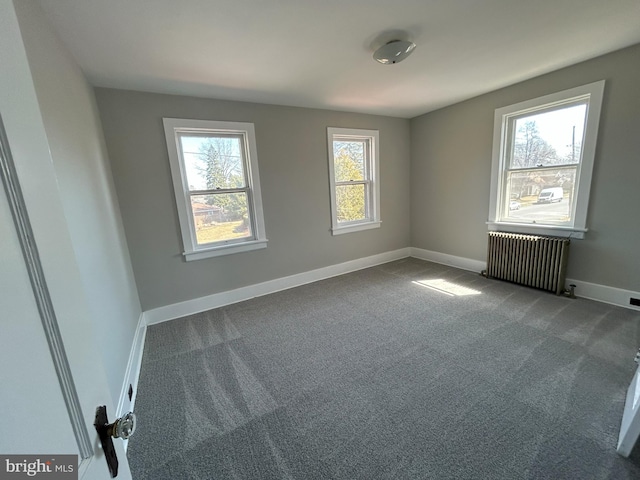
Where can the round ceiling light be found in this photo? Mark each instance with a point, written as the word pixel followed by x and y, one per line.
pixel 394 52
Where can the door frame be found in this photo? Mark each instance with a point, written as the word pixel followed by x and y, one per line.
pixel 42 297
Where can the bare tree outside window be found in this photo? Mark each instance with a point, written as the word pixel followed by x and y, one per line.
pixel 217 180
pixel 543 164
pixel 530 149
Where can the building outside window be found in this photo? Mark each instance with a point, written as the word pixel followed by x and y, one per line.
pixel 214 168
pixel 543 154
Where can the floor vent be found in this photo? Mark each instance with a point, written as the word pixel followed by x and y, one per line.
pixel 531 260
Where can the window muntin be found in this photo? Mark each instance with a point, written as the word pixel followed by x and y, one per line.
pixel 353 187
pixel 214 224
pixel 218 187
pixel 543 160
pixel 215 176
pixel 353 166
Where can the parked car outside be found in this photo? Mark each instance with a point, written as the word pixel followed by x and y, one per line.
pixel 513 205
pixel 549 195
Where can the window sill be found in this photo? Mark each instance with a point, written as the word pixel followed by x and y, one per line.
pixel 556 231
pixel 225 250
pixel 355 228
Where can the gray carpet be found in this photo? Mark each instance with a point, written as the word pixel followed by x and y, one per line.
pixel 372 376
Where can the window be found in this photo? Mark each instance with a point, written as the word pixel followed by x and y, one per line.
pixel 543 152
pixel 354 179
pixel 214 167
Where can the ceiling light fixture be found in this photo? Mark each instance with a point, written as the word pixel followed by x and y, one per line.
pixel 394 51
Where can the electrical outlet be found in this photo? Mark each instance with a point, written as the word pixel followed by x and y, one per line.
pixel 130 391
pixel 634 301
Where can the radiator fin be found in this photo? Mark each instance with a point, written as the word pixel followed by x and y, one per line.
pixel 531 260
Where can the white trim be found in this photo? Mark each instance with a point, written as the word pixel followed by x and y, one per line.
pixel 604 294
pixel 196 305
pixel 591 291
pixel 593 94
pixel 600 293
pixel 193 251
pixel 9 182
pixel 355 228
pixel 132 373
pixel 373 167
pixel 566 232
pixel 450 260
pixel 225 250
pixel 630 424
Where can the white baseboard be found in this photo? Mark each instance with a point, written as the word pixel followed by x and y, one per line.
pixel 450 260
pixel 197 305
pixel 603 293
pixel 133 371
pixel 592 291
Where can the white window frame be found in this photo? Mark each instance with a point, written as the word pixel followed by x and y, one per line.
pixel 372 180
pixel 593 94
pixel 192 251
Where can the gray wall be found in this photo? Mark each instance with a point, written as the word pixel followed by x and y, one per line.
pixel 292 155
pixel 75 140
pixel 451 172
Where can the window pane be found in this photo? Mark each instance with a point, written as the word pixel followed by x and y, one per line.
pixel 213 162
pixel 540 196
pixel 549 138
pixel 222 216
pixel 350 202
pixel 349 160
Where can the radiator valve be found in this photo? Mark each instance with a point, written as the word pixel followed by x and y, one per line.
pixel 570 292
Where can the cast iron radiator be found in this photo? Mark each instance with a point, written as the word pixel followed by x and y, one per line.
pixel 531 260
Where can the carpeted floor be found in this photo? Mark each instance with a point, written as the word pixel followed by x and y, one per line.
pixel 371 375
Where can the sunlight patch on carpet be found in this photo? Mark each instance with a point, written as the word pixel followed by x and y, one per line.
pixel 446 287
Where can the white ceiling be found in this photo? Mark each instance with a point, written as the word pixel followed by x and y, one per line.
pixel 318 53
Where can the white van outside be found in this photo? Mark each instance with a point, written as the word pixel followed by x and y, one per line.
pixel 548 195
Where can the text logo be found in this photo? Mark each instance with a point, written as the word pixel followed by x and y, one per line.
pixel 49 467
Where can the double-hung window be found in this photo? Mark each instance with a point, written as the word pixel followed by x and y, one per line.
pixel 214 168
pixel 354 179
pixel 543 154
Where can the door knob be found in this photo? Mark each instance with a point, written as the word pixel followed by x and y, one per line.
pixel 122 427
